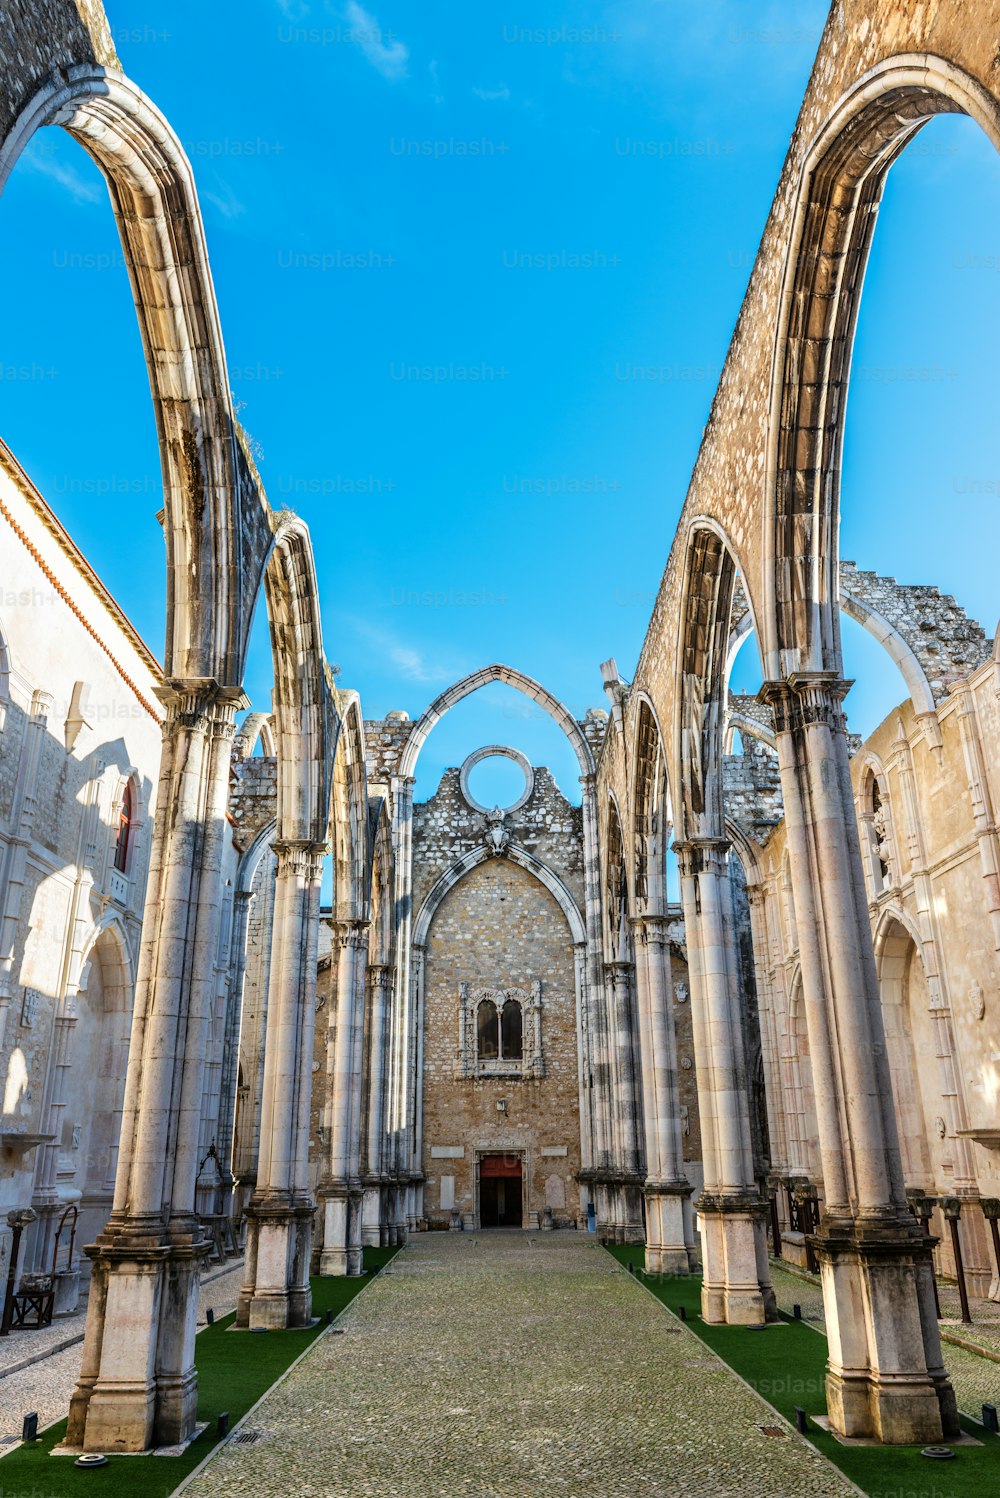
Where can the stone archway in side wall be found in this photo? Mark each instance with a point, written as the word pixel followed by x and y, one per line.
pixel 833 221
pixel 216 518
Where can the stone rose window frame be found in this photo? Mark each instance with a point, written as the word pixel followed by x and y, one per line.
pixel 531 1062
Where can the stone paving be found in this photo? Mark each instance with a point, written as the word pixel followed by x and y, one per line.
pixel 513 1364
pixel 47 1384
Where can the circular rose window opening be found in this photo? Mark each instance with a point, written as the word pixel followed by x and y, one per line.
pixel 497 776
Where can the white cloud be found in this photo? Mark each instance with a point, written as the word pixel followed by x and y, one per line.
pixel 410 662
pixel 223 199
pixel 502 93
pixel 42 159
pixel 386 53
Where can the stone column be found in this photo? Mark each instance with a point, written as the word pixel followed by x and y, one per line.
pixel 374 1228
pixel 595 1025
pixel 275 1289
pixel 403 1077
pixel 885 1376
pixel 225 1141
pixel 138 1386
pixel 619 979
pixel 340 1188
pixel 667 1189
pixel 736 1284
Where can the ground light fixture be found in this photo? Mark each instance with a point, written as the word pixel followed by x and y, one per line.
pixel 222 1424
pixel 938 1453
pixel 801 1421
pixel 210 1317
pixel 90 1461
pixel 990 1417
pixel 29 1427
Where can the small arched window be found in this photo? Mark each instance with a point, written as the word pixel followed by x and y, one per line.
pixel 488 1028
pixel 511 1031
pixel 878 831
pixel 126 817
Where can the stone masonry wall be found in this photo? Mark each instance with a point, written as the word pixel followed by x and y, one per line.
pixel 498 927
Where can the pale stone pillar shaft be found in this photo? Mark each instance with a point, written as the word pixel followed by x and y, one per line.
pixel 736 1284
pixel 885 1376
pixel 225 1141
pixel 600 1116
pixel 276 1285
pixel 667 1188
pixel 138 1385
pixel 820 1024
pixel 812 735
pixel 341 1187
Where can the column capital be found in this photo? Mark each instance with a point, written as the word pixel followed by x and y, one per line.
pixel 379 975
pixel 756 893
pixel 299 857
pixel 702 855
pixel 199 702
pixel 806 698
pixel 351 933
pixel 650 929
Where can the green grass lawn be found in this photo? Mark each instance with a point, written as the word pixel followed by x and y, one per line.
pixel 234 1371
pixel 786 1364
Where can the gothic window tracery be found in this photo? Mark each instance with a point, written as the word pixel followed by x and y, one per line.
pixel 500 1032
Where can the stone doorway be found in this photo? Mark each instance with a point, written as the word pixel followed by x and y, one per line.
pixel 501 1190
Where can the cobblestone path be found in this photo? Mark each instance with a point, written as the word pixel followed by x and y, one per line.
pixel 515 1364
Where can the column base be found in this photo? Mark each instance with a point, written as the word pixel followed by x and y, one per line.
pixel 667 1251
pixel 373 1217
pixel 886 1380
pixel 138 1388
pixel 736 1288
pixel 342 1252
pixel 276 1293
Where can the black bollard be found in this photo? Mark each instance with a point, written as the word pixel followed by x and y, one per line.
pixel 29 1427
pixel 801 1421
pixel 210 1316
pixel 990 1418
pixel 222 1424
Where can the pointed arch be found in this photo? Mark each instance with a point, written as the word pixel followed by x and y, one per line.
pixel 304 711
pixel 472 683
pixel 216 518
pixel 652 816
pixel 349 813
pixel 833 221
pixel 380 883
pixel 525 860
pixel 707 594
pixel 618 936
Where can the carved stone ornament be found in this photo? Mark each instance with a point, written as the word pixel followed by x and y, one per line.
pixel 681 993
pixel 495 836
pixel 977 1000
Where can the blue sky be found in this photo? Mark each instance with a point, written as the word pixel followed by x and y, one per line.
pixel 444 240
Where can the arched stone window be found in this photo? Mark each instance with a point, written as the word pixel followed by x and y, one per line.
pixel 511 1031
pixel 876 838
pixel 488 1025
pixel 500 1032
pixel 126 817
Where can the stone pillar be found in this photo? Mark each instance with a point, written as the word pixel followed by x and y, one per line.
pixel 340 1188
pixel 374 1226
pixel 667 1189
pixel 599 1121
pixel 885 1376
pixel 736 1285
pixel 138 1386
pixel 619 978
pixel 275 1289
pixel 225 1141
